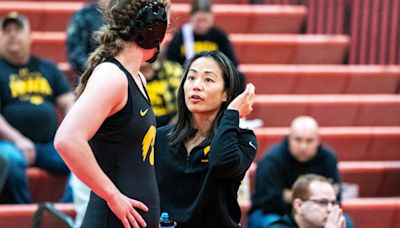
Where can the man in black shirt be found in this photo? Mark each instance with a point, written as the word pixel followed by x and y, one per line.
pixel 299 153
pixel 314 205
pixel 30 91
pixel 199 35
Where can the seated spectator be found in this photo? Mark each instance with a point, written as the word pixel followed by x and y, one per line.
pixel 299 153
pixel 163 79
pixel 200 34
pixel 3 171
pixel 30 91
pixel 314 205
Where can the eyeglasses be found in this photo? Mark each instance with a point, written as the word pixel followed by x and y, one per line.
pixel 323 202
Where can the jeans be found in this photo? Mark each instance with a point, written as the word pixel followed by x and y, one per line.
pixel 3 171
pixel 16 187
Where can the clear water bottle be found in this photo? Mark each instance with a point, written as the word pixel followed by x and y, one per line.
pixel 166 221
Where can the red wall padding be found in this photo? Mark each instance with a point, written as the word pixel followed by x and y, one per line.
pixel 374 26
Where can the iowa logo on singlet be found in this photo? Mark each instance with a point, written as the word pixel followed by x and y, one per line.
pixel 148 145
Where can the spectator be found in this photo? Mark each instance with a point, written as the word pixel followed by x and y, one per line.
pixel 30 90
pixel 299 153
pixel 80 40
pixel 199 35
pixel 163 78
pixel 314 205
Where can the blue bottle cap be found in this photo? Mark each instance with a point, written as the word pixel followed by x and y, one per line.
pixel 164 215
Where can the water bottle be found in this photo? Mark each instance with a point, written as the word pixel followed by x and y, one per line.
pixel 166 221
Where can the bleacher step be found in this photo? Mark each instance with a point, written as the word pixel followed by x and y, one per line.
pixel 250 48
pixel 328 110
pixel 233 18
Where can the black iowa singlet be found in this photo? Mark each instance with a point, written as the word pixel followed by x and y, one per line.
pixel 124 148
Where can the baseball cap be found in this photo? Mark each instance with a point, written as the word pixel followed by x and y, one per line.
pixel 15 18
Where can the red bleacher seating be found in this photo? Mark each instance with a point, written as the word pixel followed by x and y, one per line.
pixel 21 215
pixel 248 18
pixel 55 16
pixel 373 26
pixel 330 79
pixel 368 141
pixel 373 47
pixel 301 79
pixel 364 212
pixel 375 179
pixel 328 110
pixel 350 143
pixel 45 186
pixel 373 212
pixel 290 49
pixel 275 49
pixel 43 16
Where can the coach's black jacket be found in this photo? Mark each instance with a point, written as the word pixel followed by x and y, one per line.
pixel 200 189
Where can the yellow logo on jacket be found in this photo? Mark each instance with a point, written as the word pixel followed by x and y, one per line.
pixel 205 151
pixel 148 145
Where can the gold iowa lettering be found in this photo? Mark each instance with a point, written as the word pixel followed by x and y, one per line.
pixel 26 83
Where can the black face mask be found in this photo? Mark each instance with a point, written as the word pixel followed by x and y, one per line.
pixel 155 56
pixel 148 28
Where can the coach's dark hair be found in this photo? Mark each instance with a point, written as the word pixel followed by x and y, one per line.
pixel 183 128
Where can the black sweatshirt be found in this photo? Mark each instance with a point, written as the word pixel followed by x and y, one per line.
pixel 278 170
pixel 200 189
pixel 286 221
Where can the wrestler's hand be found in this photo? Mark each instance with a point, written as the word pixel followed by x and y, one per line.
pixel 244 102
pixel 124 208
